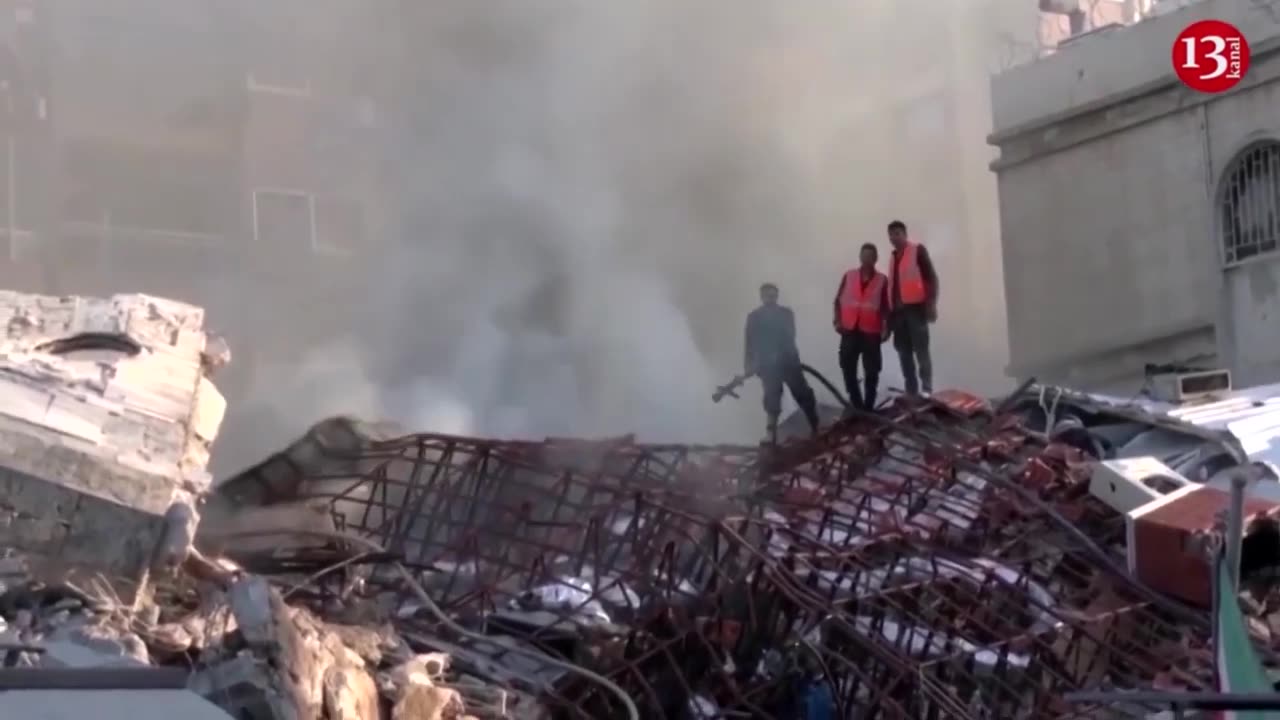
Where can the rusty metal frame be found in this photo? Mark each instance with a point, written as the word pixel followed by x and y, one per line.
pixel 937 562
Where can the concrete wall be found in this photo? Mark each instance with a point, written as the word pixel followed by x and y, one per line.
pixel 1107 64
pixel 1107 180
pixel 1249 292
pixel 961 225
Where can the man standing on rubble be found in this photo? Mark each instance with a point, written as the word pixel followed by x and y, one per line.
pixel 771 353
pixel 862 320
pixel 913 292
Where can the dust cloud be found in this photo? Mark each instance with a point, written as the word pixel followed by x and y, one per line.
pixel 592 193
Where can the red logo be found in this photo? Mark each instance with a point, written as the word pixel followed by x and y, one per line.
pixel 1210 56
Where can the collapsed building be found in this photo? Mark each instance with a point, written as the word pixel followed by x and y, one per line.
pixel 943 562
pixel 952 558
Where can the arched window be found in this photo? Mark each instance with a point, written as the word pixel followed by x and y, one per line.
pixel 1249 203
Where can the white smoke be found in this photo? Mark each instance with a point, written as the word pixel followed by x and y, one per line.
pixel 592 193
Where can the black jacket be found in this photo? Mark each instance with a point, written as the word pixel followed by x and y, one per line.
pixel 770 338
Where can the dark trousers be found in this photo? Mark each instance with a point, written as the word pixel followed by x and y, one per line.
pixel 855 345
pixel 789 374
pixel 911 340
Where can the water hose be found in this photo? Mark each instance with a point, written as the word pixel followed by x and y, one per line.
pixel 822 380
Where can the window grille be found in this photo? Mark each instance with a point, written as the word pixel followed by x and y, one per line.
pixel 1249 204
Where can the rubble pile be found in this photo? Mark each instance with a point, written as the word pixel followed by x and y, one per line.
pixel 248 651
pixel 944 559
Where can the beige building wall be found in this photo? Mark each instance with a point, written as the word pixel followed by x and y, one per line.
pixel 1132 233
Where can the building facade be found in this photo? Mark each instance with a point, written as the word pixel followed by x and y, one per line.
pixel 1140 220
pixel 218 153
pixel 237 125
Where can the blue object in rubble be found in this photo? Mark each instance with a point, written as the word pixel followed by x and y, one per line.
pixel 817 701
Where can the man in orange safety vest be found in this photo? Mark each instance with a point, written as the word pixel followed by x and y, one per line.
pixel 913 294
pixel 862 320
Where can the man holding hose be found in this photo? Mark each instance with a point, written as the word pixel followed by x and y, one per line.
pixel 771 353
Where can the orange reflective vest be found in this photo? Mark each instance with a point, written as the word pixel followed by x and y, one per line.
pixel 860 303
pixel 907 273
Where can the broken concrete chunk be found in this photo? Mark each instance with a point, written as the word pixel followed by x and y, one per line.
pixel 294 667
pixel 248 686
pixel 426 669
pixel 484 699
pixel 216 355
pixel 95 438
pixel 241 686
pixel 226 527
pixel 170 639
pixel 38 607
pixel 94 646
pixel 350 694
pixel 426 702
pixel 373 644
pixel 256 607
pixel 177 537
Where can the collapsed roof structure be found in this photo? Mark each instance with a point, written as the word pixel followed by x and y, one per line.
pixel 944 560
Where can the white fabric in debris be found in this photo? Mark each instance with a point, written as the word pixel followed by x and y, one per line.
pixel 569 593
pixel 923 569
pixel 702 707
pixel 930 643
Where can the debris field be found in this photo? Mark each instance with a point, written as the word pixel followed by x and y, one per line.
pixel 942 559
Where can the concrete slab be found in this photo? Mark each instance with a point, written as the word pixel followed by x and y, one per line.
pixel 106 419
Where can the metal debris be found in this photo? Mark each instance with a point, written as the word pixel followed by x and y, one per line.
pixel 936 562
